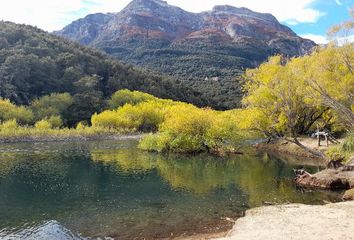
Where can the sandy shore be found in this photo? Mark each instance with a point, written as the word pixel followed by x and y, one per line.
pixel 296 221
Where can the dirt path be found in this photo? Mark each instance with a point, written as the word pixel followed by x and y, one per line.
pixel 297 222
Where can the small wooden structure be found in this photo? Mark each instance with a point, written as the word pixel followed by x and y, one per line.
pixel 328 137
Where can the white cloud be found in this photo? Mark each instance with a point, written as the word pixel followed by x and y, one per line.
pixel 339 2
pixel 53 14
pixel 319 39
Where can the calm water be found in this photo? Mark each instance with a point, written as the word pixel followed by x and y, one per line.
pixel 111 189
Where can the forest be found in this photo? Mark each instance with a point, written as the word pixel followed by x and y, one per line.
pixel 283 97
pixel 34 63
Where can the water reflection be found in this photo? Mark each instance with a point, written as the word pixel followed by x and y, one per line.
pixel 110 188
pixel 262 177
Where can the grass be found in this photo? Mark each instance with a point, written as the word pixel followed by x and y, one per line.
pixel 344 151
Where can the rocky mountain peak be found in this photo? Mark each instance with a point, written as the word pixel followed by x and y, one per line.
pixel 216 44
pixel 243 12
pixel 146 5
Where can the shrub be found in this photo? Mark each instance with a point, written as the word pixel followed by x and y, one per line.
pixel 51 105
pixel 9 124
pixel 122 97
pixel 343 151
pixel 190 129
pixel 145 116
pixel 9 111
pixel 43 125
pixel 335 154
pixel 154 142
pixel 348 143
pixel 55 121
pixel 81 126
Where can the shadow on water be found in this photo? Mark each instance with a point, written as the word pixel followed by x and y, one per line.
pixel 110 188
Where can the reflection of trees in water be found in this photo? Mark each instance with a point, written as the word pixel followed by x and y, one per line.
pixel 260 177
pixel 69 182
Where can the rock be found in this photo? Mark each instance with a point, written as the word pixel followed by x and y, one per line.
pixel 296 222
pixel 349 195
pixel 333 179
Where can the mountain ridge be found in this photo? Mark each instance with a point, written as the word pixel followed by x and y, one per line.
pixel 193 47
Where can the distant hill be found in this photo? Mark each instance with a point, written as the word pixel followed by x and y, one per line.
pixel 34 63
pixel 205 50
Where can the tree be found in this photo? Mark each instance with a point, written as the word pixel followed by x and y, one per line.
pixel 329 73
pixel 9 111
pixel 51 105
pixel 341 33
pixel 276 94
pixel 87 100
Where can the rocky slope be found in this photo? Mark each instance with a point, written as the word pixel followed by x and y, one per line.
pixel 207 50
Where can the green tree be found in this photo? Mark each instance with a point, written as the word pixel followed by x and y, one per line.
pixel 87 100
pixel 55 104
pixel 9 111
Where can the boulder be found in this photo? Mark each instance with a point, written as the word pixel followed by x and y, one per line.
pixel 349 195
pixel 331 179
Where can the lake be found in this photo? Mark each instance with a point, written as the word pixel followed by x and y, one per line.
pixel 110 189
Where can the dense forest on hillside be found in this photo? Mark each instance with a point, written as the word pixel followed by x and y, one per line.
pixel 34 63
pixel 211 69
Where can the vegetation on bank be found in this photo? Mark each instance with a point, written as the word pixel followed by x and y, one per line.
pixel 283 98
pixel 45 130
pixel 344 151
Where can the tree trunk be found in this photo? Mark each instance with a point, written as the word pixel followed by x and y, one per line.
pixel 314 152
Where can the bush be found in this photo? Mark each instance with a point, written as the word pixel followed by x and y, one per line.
pixel 335 154
pixel 9 125
pixel 55 121
pixel 348 143
pixel 154 142
pixel 190 129
pixel 122 97
pixel 9 111
pixel 43 125
pixel 51 105
pixel 343 151
pixel 145 117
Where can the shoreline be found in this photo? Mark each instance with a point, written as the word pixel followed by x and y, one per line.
pixel 74 138
pixel 298 221
pixel 293 152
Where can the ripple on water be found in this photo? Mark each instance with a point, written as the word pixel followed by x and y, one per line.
pixel 52 230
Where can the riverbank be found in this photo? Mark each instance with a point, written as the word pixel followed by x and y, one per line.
pixel 296 221
pixel 70 138
pixel 293 152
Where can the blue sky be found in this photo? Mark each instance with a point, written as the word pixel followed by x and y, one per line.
pixel 335 12
pixel 308 18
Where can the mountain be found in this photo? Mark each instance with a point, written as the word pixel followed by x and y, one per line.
pixel 34 63
pixel 206 50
